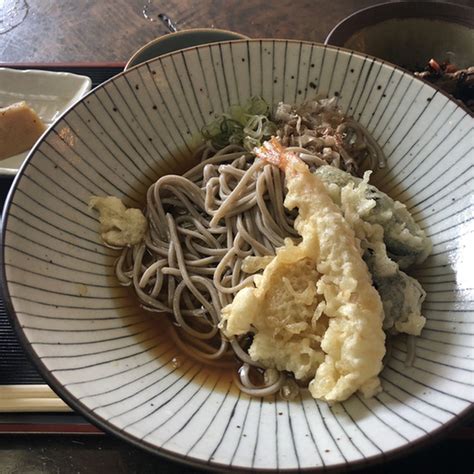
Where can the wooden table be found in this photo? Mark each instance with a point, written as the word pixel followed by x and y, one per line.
pixel 75 31
pixel 109 31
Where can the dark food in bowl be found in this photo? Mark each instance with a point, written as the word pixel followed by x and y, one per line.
pixel 409 34
pixel 457 82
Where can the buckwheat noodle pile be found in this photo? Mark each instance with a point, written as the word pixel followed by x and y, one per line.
pixel 203 224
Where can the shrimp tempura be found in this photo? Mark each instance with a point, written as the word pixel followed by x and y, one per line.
pixel 314 310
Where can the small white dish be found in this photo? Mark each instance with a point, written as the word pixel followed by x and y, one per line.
pixel 48 93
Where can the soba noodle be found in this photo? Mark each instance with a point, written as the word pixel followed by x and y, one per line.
pixel 202 226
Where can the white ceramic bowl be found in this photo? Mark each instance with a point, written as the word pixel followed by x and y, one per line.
pixel 107 358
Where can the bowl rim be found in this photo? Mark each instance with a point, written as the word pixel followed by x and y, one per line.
pixel 130 63
pixel 107 427
pixel 370 16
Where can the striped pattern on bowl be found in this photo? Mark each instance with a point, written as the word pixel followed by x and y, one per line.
pixel 116 364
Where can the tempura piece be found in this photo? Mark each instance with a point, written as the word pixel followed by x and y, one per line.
pixel 119 226
pixel 406 242
pixel 372 214
pixel 335 332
